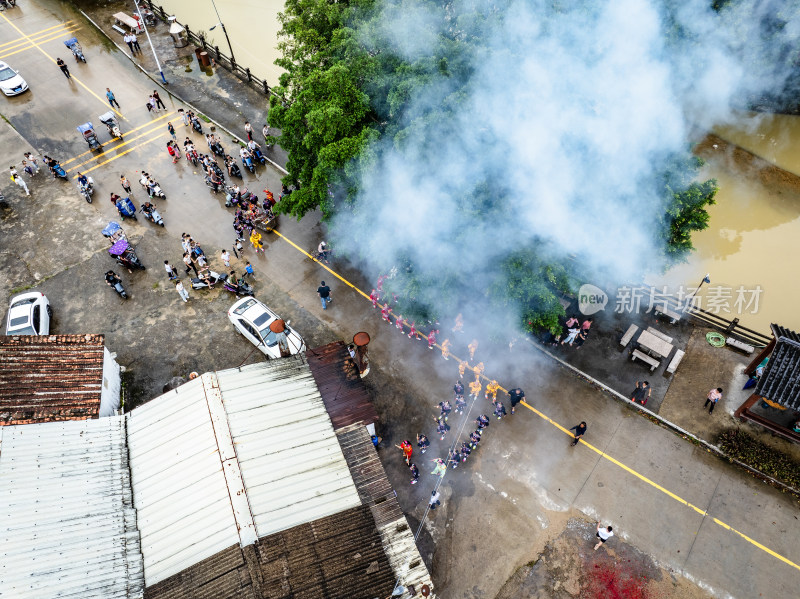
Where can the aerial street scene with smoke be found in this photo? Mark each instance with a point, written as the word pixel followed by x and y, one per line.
pixel 506 309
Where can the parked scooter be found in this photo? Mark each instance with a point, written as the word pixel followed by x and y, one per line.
pixel 113 281
pixel 214 183
pixel 233 168
pixel 196 124
pixel 207 283
pixel 247 161
pixel 151 214
pixel 238 287
pixel 258 155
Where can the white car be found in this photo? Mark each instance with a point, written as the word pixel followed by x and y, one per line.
pixel 252 319
pixel 10 81
pixel 29 314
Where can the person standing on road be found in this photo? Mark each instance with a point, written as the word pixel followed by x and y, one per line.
pixel 157 98
pixel 182 291
pixel 604 534
pixel 324 293
pixel 713 397
pixel 422 442
pixel 111 99
pixel 171 130
pixel 126 185
pixel 407 450
pixel 64 68
pixel 516 395
pixel 255 239
pixel 128 40
pixel 579 430
pixel 440 467
pixel 641 393
pixel 267 133
pixel 414 474
pixel 171 272
pixel 172 150
pixel 18 180
pixel 33 161
pixel 248 128
pixel 187 260
pixel 435 500
pixel 226 258
pixel 135 43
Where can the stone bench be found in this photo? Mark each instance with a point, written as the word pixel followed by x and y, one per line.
pixel 663 309
pixel 676 359
pixel 119 29
pixel 626 338
pixel 659 334
pixel 748 349
pixel 645 358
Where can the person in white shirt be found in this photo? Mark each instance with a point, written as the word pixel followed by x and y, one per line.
pixel 604 534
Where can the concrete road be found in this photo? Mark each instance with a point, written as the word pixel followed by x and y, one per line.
pixel 692 513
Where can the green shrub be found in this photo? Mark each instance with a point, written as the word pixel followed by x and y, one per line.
pixel 754 453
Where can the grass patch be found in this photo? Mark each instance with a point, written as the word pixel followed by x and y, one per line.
pixel 754 453
pixel 204 117
pixel 17 290
pixel 156 285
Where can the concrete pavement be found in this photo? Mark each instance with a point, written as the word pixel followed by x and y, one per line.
pixel 512 496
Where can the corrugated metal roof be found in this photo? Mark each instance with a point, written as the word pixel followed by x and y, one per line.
pixel 229 455
pixel 345 396
pixel 781 379
pixel 180 492
pixel 291 462
pixel 69 528
pixel 50 378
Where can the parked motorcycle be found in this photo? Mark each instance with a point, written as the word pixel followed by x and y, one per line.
pixel 113 281
pixel 237 287
pixel 196 125
pixel 213 183
pixel 247 162
pixel 213 279
pixel 233 168
pixel 259 156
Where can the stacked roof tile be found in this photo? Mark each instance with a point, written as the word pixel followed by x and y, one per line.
pixel 781 379
pixel 50 378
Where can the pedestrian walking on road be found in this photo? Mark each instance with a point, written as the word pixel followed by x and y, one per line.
pixel 255 239
pixel 172 149
pixel 171 272
pixel 435 500
pixel 475 389
pixel 499 409
pixel 182 291
pixel 171 130
pixel 27 168
pixel 422 443
pixel 151 102
pixel 248 128
pixel 641 393
pixel 516 395
pixel 248 270
pixel 604 534
pixel 33 161
pixel 135 43
pixel 226 258
pixel 238 247
pixel 157 98
pixel 579 430
pixel 64 68
pixel 128 39
pixel 267 133
pixel 126 185
pixel 713 397
pixel 407 450
pixel 18 180
pixel 440 467
pixel 187 260
pixel 442 427
pixel 324 293
pixel 111 99
pixel 414 474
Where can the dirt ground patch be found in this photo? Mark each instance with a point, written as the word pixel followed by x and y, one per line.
pixel 569 567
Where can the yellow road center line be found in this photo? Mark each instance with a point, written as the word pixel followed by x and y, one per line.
pixel 29 46
pixel 124 143
pixel 602 454
pixel 16 41
pixel 120 155
pixel 53 60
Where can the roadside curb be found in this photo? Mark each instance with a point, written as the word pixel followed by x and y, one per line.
pixel 710 447
pixel 173 94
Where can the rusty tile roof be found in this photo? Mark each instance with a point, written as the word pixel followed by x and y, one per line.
pixel 343 392
pixel 781 379
pixel 335 557
pixel 50 378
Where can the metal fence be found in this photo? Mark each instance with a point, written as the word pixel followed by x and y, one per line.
pixel 220 59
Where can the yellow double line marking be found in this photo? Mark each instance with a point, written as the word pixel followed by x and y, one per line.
pixel 121 154
pixel 124 142
pixel 50 37
pixel 36 33
pixel 601 453
pixel 36 45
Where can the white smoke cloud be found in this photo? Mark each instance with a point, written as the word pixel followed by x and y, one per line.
pixel 570 110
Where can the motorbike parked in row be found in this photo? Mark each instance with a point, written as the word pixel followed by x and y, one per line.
pixel 233 168
pixel 113 281
pixel 247 160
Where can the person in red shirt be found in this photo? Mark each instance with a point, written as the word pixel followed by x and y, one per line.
pixel 407 450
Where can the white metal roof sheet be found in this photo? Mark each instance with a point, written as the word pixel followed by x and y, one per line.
pixel 293 468
pixel 179 488
pixel 68 525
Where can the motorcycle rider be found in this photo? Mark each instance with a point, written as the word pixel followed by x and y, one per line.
pixel 148 208
pixel 213 181
pixel 323 251
pixel 244 154
pixel 82 180
pixel 112 280
pixel 114 199
pixel 151 186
